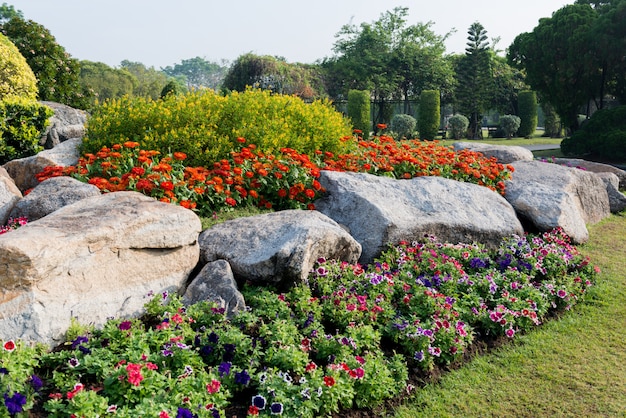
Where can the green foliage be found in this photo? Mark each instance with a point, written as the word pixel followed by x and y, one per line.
pixel 105 82
pixel 403 126
pixel 429 114
pixel 205 125
pixel 148 82
pixel 359 110
pixel 603 136
pixel 8 12
pixel 198 73
pixel 510 124
pixel 22 122
pixel 552 121
pixel 458 126
pixel 170 88
pixel 57 73
pixel 16 77
pixel 527 103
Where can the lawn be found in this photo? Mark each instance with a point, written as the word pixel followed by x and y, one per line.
pixel 571 367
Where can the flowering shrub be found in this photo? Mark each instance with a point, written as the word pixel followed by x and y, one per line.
pixel 344 338
pixel 13 223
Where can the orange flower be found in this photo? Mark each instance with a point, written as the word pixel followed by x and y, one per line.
pixel 131 144
pixel 180 156
pixel 230 201
pixel 309 193
pixel 167 185
pixel 282 193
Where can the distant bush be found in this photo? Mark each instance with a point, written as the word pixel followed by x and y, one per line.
pixel 510 124
pixel 206 125
pixel 403 126
pixel 527 103
pixel 359 111
pixel 603 136
pixel 552 121
pixel 458 126
pixel 429 114
pixel 22 122
pixel 16 77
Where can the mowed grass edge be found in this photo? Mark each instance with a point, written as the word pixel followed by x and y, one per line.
pixel 574 366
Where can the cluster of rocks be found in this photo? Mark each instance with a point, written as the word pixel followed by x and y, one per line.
pixel 94 256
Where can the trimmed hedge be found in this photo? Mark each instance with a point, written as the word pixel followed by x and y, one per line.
pixel 16 77
pixel 359 108
pixel 22 122
pixel 206 125
pixel 429 114
pixel 527 103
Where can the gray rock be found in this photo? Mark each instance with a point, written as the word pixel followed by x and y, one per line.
pixel 617 200
pixel 505 154
pixel 24 170
pixel 279 248
pixel 94 259
pixel 52 195
pixel 216 283
pixel 547 196
pixel 380 210
pixel 66 123
pixel 594 168
pixel 9 196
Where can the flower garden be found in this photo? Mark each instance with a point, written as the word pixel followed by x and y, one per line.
pixel 349 337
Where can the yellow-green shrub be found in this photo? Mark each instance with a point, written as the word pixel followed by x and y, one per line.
pixel 22 122
pixel 16 77
pixel 205 125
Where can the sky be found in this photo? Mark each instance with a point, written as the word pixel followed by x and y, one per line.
pixel 160 33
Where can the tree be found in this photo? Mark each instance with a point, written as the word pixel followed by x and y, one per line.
pixel 148 82
pixel 474 78
pixel 527 103
pixel 106 82
pixel 57 72
pixel 560 62
pixel 198 73
pixel 8 12
pixel 388 57
pixel 16 77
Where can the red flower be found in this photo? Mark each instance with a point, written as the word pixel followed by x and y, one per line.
pixel 231 202
pixel 9 345
pixel 253 410
pixel 329 381
pixel 139 171
pixel 167 185
pixel 214 386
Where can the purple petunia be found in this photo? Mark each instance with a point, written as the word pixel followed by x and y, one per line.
pixel 259 401
pixel 224 368
pixel 125 325
pixel 419 355
pixel 184 413
pixel 36 383
pixel 14 403
pixel 242 378
pixel 276 408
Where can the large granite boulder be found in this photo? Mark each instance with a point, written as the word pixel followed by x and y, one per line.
pixel 546 196
pixel 617 199
pixel 9 196
pixel 380 210
pixel 278 248
pixel 24 170
pixel 594 168
pixel 66 123
pixel 92 260
pixel 505 154
pixel 215 283
pixel 52 195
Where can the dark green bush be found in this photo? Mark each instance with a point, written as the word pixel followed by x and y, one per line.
pixel 527 103
pixel 429 114
pixel 603 136
pixel 510 124
pixel 403 126
pixel 457 125
pixel 22 122
pixel 359 110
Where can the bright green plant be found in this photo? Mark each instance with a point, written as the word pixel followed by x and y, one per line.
pixel 527 104
pixel 22 122
pixel 359 103
pixel 458 126
pixel 403 126
pixel 510 125
pixel 429 113
pixel 16 77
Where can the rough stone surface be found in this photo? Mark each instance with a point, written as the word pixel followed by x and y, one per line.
pixel 66 123
pixel 617 199
pixel 9 196
pixel 23 170
pixel 595 168
pixel 505 154
pixel 546 196
pixel 216 283
pixel 278 248
pixel 94 259
pixel 380 210
pixel 52 195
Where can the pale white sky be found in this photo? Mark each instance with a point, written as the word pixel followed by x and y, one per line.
pixel 163 32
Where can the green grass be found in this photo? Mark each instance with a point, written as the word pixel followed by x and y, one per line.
pixel 571 367
pixel 512 141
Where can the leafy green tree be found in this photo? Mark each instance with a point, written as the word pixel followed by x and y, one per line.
pixel 8 12
pixel 148 82
pixel 527 103
pixel 198 73
pixel 16 77
pixel 106 82
pixel 560 62
pixel 474 78
pixel 507 83
pixel 390 58
pixel 58 73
